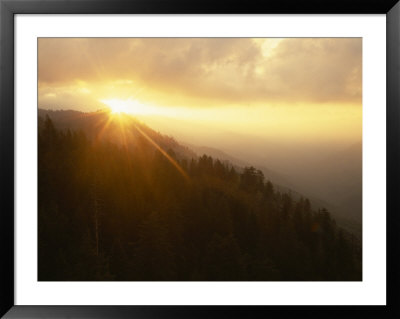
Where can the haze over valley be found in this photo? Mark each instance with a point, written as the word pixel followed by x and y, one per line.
pixel 330 177
pixel 200 158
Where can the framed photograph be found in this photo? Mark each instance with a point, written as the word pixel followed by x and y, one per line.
pixel 167 159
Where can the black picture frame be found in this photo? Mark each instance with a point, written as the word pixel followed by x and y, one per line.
pixel 8 9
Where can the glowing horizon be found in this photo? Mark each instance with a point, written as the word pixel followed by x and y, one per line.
pixel 300 89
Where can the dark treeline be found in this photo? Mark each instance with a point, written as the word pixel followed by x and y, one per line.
pixel 111 212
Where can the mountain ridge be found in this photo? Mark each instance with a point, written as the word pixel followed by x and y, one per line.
pixel 97 123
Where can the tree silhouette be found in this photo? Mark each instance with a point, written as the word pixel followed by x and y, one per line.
pixel 108 211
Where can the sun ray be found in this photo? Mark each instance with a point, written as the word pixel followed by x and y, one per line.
pixel 120 118
pixel 123 132
pixel 167 156
pixel 104 128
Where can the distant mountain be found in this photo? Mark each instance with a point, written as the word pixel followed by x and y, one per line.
pixel 102 125
pixel 122 128
pixel 271 175
pixel 98 125
pixel 346 212
pixel 118 201
pixel 328 171
pixel 341 175
pixel 216 153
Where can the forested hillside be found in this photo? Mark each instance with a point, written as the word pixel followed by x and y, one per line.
pixel 112 210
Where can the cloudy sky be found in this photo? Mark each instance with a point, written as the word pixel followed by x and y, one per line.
pixel 312 85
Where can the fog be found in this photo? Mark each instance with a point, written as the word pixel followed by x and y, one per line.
pixel 291 107
pixel 327 170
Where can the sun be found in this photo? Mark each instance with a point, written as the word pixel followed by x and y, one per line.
pixel 116 106
pixel 116 110
pixel 129 106
pixel 139 108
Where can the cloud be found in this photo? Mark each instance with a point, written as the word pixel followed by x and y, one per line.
pixel 70 97
pixel 318 69
pixel 205 71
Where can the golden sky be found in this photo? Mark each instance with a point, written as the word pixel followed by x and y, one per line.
pixel 312 85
